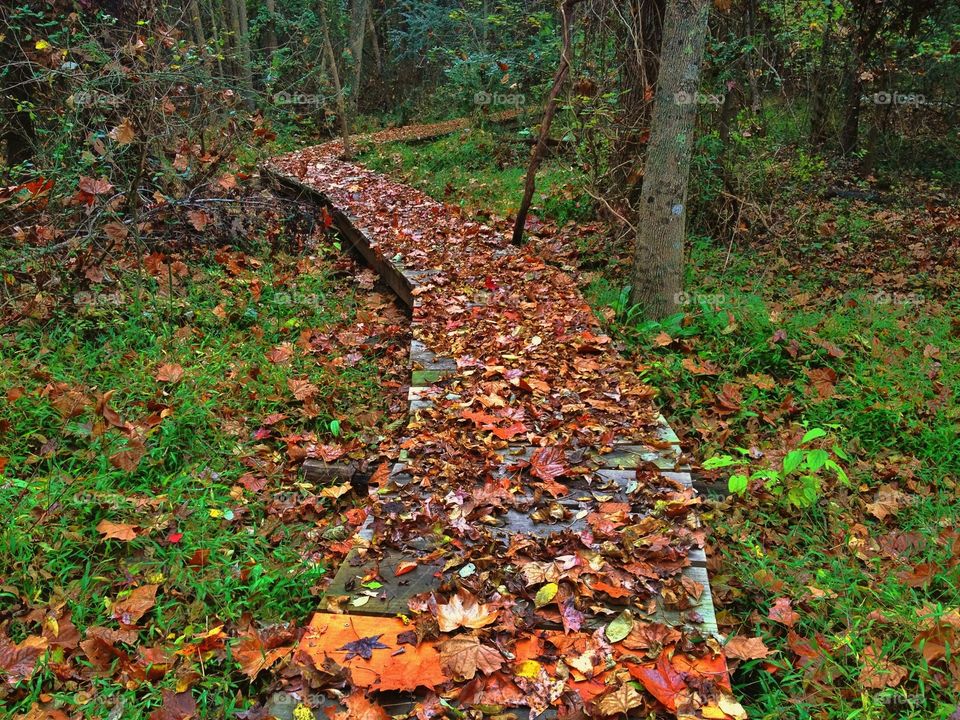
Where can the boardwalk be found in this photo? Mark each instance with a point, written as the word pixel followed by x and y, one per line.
pixel 537 545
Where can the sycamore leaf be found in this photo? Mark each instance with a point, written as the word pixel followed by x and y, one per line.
pixel 169 372
pixel 116 531
pixel 620 701
pixel 129 610
pixel 19 661
pixel 548 463
pixel 363 647
pixel 744 648
pixel 782 611
pixel 176 706
pixel 124 133
pixel 463 655
pixel 360 708
pixel 464 610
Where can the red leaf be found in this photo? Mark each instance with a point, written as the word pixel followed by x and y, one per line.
pixel 548 463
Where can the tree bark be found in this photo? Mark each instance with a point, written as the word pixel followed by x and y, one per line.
pixel 374 42
pixel 563 69
pixel 658 251
pixel 241 37
pixel 270 31
pixel 358 25
pixel 335 78
pixel 819 111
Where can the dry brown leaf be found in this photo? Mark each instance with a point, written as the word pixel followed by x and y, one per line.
pixel 463 655
pixel 116 531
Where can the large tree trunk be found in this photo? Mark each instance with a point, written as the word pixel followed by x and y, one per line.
pixel 658 253
pixel 563 69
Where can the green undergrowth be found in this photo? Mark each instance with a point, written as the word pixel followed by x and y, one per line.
pixel 211 507
pixel 483 171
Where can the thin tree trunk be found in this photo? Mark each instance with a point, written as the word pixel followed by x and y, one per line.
pixel 270 32
pixel 819 111
pixel 238 22
pixel 563 69
pixel 658 252
pixel 358 25
pixel 335 77
pixel 216 23
pixel 374 43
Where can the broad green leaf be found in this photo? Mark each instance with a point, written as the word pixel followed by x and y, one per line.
pixel 619 627
pixel 737 483
pixel 335 428
pixel 792 461
pixel 816 459
pixel 813 435
pixel 719 461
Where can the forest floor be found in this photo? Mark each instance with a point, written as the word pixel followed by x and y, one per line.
pixel 153 432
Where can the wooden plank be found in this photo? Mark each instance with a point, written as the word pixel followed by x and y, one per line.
pixel 359 242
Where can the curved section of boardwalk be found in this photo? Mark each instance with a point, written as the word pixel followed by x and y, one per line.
pixel 539 536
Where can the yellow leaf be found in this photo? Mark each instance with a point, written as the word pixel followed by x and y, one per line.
pixel 545 594
pixel 528 669
pixel 43 45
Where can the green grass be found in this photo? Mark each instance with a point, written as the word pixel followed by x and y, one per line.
pixel 483 171
pixel 242 553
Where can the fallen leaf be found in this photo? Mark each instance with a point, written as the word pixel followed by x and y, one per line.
pixel 462 656
pixel 464 610
pixel 116 531
pixel 129 610
pixel 744 648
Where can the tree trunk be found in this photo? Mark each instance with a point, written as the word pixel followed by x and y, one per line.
pixel 559 77
pixel 868 18
pixel 358 25
pixel 658 252
pixel 241 38
pixel 819 109
pixel 642 37
pixel 335 77
pixel 20 135
pixel 216 25
pixel 374 42
pixel 270 31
